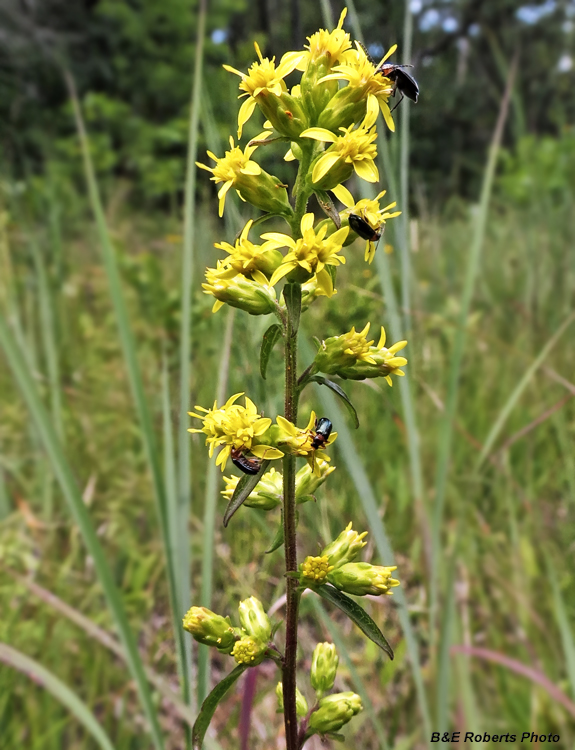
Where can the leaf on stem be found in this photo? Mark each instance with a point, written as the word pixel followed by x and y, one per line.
pixel 355 613
pixel 292 296
pixel 328 207
pixel 211 703
pixel 278 539
pixel 269 340
pixel 243 489
pixel 339 392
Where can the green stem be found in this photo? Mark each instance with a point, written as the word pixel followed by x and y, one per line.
pixel 292 594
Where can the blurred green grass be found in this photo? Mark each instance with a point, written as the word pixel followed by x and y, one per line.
pixel 502 524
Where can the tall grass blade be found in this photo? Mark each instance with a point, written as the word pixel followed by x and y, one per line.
pixel 79 512
pixel 210 515
pixel 357 681
pixel 48 331
pixel 41 676
pixel 354 465
pixel 477 241
pixel 136 384
pixel 4 499
pixel 182 561
pixel 518 390
pixel 565 627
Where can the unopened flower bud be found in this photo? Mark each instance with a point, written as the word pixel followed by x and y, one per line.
pixel 345 548
pixel 254 295
pixel 334 711
pixel 307 482
pixel 323 667
pixel 254 620
pixel 301 706
pixel 249 651
pixel 314 570
pixel 266 495
pixel 210 629
pixel 362 578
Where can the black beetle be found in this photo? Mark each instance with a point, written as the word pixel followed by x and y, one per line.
pixel 403 81
pixel 244 463
pixel 361 227
pixel 323 428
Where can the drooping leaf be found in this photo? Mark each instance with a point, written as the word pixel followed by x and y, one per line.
pixel 243 489
pixel 278 539
pixel 328 207
pixel 292 296
pixel 355 613
pixel 339 392
pixel 211 703
pixel 269 340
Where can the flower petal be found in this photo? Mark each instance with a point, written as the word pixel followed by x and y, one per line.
pixel 343 195
pixel 366 170
pixel 324 164
pixel 319 134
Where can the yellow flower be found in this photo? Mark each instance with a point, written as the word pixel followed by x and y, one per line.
pixel 353 357
pixel 256 296
pixel 311 253
pixel 370 212
pixel 334 44
pixel 299 442
pixel 236 169
pixel 228 169
pixel 363 578
pixel 235 426
pixel 354 150
pixel 314 570
pixel 245 257
pixel 249 651
pixel 263 79
pixel 364 82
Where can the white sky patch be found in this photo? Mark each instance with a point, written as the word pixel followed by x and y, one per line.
pixel 219 36
pixel 565 63
pixel 532 14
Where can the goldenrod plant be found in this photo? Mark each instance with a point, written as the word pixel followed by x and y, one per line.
pixel 327 125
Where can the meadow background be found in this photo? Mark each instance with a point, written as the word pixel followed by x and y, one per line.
pixel 110 514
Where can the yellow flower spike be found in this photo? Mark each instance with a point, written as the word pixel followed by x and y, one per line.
pixel 355 150
pixel 235 426
pixel 263 79
pixel 310 254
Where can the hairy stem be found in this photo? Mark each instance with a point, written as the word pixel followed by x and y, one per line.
pixel 292 594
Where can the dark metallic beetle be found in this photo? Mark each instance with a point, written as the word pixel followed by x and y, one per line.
pixel 323 428
pixel 363 229
pixel 403 81
pixel 244 463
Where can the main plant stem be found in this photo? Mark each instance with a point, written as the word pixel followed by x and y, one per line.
pixel 292 594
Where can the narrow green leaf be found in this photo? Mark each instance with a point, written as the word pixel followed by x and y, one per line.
pixel 292 296
pixel 243 489
pixel 41 676
pixel 278 539
pixel 564 625
pixel 211 703
pixel 269 340
pixel 339 392
pixel 328 207
pixel 355 613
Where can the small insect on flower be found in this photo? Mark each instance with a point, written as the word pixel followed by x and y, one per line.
pixel 403 81
pixel 322 430
pixel 245 463
pixel 362 228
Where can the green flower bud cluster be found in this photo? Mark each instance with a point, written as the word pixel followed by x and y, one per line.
pixel 330 712
pixel 248 644
pixel 336 565
pixel 268 492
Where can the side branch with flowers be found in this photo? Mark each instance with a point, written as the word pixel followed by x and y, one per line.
pixel 328 121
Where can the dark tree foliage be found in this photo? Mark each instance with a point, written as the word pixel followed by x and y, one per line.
pixel 133 59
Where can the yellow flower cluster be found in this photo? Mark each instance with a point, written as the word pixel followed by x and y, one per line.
pixel 329 118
